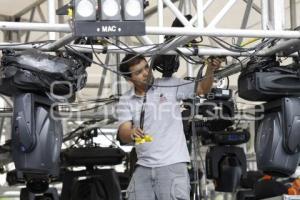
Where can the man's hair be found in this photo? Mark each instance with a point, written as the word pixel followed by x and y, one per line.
pixel 128 61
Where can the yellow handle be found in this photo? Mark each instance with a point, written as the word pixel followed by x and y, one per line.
pixel 146 138
pixel 70 12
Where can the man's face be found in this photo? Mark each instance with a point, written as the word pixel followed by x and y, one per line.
pixel 140 73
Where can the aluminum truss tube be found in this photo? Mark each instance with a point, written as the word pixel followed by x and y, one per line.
pixel 152 30
pixel 231 69
pixel 278 14
pixel 30 19
pixel 144 50
pixel 264 14
pixel 102 81
pixel 61 42
pixel 144 40
pixel 293 11
pixel 51 17
pixel 221 14
pixel 279 47
pixel 28 8
pixel 177 13
pixel 160 9
pixel 187 7
pixel 34 27
pixel 205 6
pixel 245 19
pixel 255 7
pixel 222 32
pixel 186 39
pixel 200 14
pixel 153 10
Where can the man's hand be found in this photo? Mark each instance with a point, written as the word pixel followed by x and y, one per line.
pixel 137 133
pixel 214 63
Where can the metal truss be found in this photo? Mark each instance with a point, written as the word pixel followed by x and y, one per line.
pixel 272 21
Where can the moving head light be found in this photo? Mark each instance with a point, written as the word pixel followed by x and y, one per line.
pixel 277 134
pixel 168 64
pixel 225 164
pixel 33 80
pixel 264 79
pixel 277 142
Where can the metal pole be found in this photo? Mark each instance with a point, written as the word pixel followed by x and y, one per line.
pixel 293 6
pixel 187 7
pixel 60 4
pixel 221 14
pixel 200 14
pixel 42 16
pixel 153 10
pixel 25 26
pixel 51 17
pixel 119 89
pixel 151 30
pixel 290 45
pixel 255 7
pixel 29 8
pixel 264 14
pixel 278 18
pixel 177 13
pixel 102 80
pixel 30 20
pixel 61 42
pixel 222 32
pixel 145 40
pixel 160 9
pixel 205 6
pixel 245 19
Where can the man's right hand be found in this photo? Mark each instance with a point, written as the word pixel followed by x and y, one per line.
pixel 137 133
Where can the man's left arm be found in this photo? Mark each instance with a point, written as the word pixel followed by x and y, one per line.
pixel 205 85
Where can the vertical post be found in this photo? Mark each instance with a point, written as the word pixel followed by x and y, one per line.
pixel 51 17
pixel 187 7
pixel 293 6
pixel 245 19
pixel 200 14
pixel 187 10
pixel 60 4
pixel 102 80
pixel 119 89
pixel 264 14
pixel 160 9
pixel 278 19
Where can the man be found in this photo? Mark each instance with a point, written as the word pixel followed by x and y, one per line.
pixel 161 172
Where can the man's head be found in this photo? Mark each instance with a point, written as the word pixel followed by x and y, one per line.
pixel 135 69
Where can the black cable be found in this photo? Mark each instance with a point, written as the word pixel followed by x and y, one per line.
pixel 113 142
pixel 119 73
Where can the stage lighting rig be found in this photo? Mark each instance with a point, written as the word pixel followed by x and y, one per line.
pixel 108 17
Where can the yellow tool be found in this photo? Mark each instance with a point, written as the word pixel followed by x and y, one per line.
pixel 70 12
pixel 146 138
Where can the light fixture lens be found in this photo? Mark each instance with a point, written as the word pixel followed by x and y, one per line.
pixel 85 8
pixel 110 8
pixel 133 8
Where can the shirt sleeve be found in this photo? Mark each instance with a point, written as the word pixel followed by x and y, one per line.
pixel 123 112
pixel 185 90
